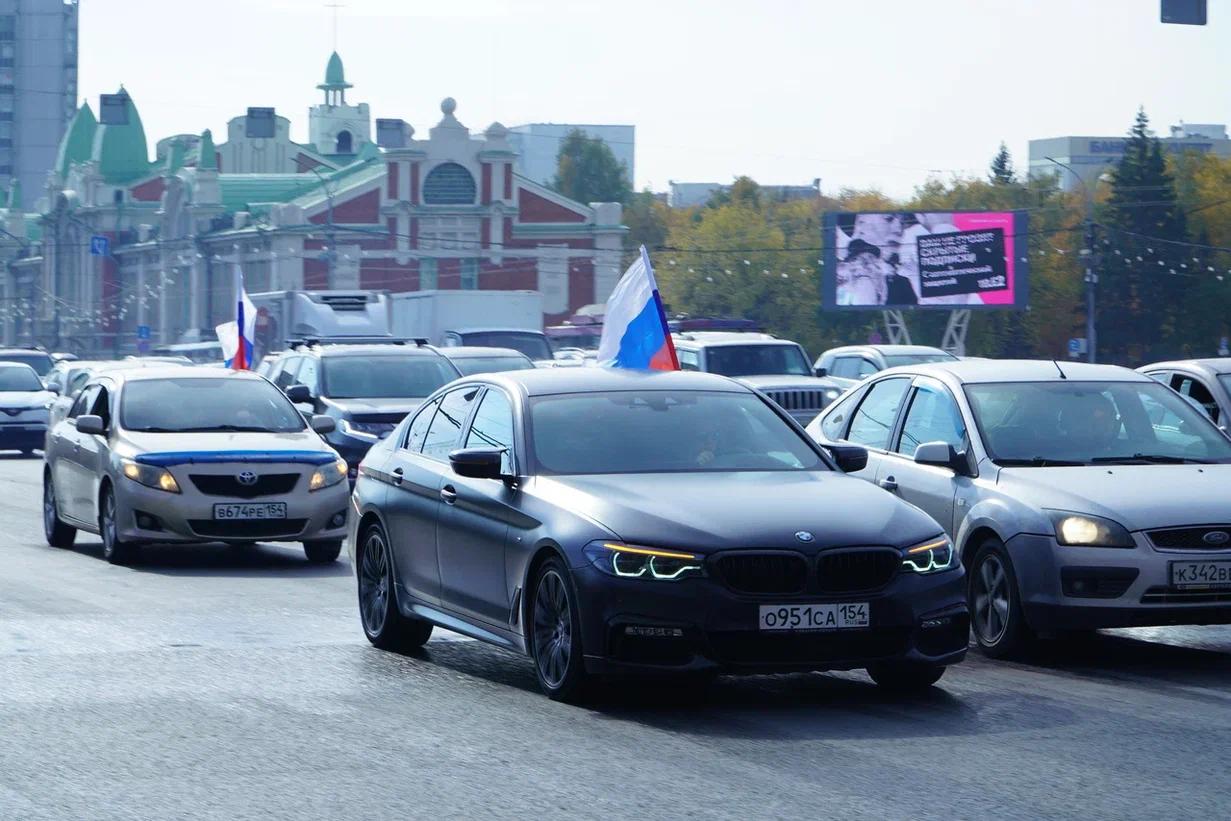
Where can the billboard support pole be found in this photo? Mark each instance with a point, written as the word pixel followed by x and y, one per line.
pixel 895 328
pixel 954 340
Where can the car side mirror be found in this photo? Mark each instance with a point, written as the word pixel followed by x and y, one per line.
pixel 298 394
pixel 850 458
pixel 941 455
pixel 822 372
pixel 91 424
pixel 51 386
pixel 477 463
pixel 323 424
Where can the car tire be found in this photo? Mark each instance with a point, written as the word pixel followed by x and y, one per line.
pixel 555 634
pixel 905 677
pixel 323 552
pixel 382 621
pixel 58 534
pixel 115 549
pixel 996 618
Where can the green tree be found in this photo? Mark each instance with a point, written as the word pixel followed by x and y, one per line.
pixel 1002 172
pixel 646 219
pixel 587 171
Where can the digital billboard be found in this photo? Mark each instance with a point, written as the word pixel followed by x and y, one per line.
pixel 931 259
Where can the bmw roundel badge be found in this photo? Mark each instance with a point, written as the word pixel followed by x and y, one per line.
pixel 803 536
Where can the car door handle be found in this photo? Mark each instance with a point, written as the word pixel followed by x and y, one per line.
pixel 889 483
pixel 449 494
pixel 397 476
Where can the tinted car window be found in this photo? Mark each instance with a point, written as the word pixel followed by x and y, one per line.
pixel 41 362
pixel 1067 421
pixel 19 379
pixel 207 404
pixel 307 375
pixel 664 432
pixel 867 367
pixel 757 360
pixel 493 427
pixel 531 344
pixel 377 376
pixel 873 421
pixel 898 360
pixel 446 427
pixel 933 416
pixel 845 367
pixel 286 368
pixel 471 365
pixel 418 426
pixel 689 361
pixel 1199 393
pixel 84 400
pixel 835 422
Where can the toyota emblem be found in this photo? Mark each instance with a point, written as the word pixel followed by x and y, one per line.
pixel 1216 537
pixel 247 478
pixel 803 536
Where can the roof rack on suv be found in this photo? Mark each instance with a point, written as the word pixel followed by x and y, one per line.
pixel 316 341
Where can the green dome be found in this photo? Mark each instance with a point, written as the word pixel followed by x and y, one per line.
pixel 335 77
pixel 78 139
pixel 121 150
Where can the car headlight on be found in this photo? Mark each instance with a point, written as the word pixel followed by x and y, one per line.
pixel 359 430
pixel 150 476
pixel 637 562
pixel 328 475
pixel 831 394
pixel 931 556
pixel 1084 530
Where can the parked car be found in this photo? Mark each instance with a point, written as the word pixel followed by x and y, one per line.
pixel 23 408
pixel 614 522
pixel 1079 496
pixel 470 360
pixel 266 366
pixel 366 388
pixel 36 358
pixel 1206 382
pixel 851 363
pixel 192 455
pixel 778 367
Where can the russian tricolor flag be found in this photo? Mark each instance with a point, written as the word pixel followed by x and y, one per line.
pixel 635 333
pixel 237 346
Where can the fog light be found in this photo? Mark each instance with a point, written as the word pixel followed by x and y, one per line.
pixel 146 521
pixel 654 632
pixel 338 519
pixel 932 624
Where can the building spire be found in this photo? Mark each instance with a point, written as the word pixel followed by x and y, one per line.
pixel 207 159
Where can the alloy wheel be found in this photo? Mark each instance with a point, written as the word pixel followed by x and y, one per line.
pixel 108 524
pixel 374 583
pixel 991 600
pixel 50 514
pixel 553 629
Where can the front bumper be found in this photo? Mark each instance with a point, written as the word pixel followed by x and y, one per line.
pixel 1088 588
pixel 707 626
pixel 144 514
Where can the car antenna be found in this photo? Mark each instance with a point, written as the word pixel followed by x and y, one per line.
pixel 1057 364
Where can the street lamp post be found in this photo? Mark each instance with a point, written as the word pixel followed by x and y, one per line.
pixel 331 251
pixel 1088 252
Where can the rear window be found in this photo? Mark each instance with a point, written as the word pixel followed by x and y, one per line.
pixel 491 364
pixel 533 345
pixel 384 377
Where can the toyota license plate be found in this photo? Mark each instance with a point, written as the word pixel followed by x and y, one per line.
pixel 264 510
pixel 1200 575
pixel 814 616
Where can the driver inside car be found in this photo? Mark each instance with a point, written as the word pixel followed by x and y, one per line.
pixel 1090 422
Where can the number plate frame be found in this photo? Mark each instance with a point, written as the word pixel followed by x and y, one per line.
pixel 775 618
pixel 248 512
pixel 1191 572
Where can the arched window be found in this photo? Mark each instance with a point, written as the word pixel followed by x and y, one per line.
pixel 345 143
pixel 448 184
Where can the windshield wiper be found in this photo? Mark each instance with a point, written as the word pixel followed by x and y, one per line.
pixel 225 429
pixel 1153 458
pixel 1039 462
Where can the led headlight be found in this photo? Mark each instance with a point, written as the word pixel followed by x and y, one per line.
pixel 931 556
pixel 150 476
pixel 1084 530
pixel 328 475
pixel 637 562
pixel 367 431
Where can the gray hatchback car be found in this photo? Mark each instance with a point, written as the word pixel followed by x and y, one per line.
pixel 1079 496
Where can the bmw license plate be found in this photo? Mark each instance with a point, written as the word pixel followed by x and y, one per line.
pixel 814 616
pixel 264 510
pixel 1200 575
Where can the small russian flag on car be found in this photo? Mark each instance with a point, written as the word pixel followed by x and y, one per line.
pixel 635 333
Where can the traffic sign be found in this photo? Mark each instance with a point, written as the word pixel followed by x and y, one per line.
pixel 143 332
pixel 100 246
pixel 1077 346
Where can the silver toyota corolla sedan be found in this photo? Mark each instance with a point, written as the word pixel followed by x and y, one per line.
pixel 182 454
pixel 1080 496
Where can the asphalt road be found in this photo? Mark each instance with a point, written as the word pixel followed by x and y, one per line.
pixel 220 683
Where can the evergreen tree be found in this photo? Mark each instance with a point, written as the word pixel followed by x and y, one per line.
pixel 1002 172
pixel 587 171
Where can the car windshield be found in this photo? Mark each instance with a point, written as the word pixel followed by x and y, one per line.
pixel 491 364
pixel 897 360
pixel 19 379
pixel 1065 422
pixel 41 362
pixel 207 404
pixel 757 360
pixel 663 432
pixel 533 345
pixel 384 377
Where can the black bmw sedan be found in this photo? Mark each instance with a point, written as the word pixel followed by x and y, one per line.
pixel 611 522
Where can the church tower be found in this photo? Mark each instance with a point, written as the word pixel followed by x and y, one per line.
pixel 335 127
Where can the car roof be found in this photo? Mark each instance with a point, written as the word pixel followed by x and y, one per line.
pixel 16 365
pixel 1213 365
pixel 890 350
pixel 715 339
pixel 176 372
pixel 476 351
pixel 550 381
pixel 485 329
pixel 1020 370
pixel 10 351
pixel 372 349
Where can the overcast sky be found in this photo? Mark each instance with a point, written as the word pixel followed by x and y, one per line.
pixel 858 92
